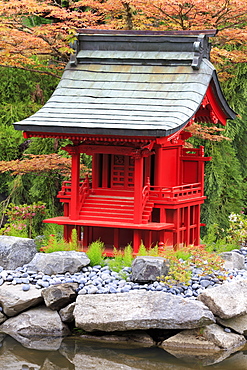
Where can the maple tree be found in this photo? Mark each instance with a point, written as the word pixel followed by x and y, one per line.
pixel 34 32
pixel 39 163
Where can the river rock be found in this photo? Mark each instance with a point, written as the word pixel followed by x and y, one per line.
pixel 14 300
pixel 149 268
pixel 58 296
pixel 59 262
pixel 233 260
pixel 227 300
pixel 67 313
pixel 15 252
pixel 139 310
pixel 37 328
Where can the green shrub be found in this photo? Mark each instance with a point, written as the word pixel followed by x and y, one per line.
pixel 95 253
pixel 56 244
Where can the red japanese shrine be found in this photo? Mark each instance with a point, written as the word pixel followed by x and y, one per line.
pixel 125 98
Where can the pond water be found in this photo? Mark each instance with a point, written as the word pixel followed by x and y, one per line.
pixel 76 354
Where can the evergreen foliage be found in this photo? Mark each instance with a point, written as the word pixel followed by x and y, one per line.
pixel 235 90
pixel 224 186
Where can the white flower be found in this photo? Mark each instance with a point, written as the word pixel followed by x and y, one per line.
pixel 233 217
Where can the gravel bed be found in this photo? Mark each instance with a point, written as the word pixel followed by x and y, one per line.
pixel 102 280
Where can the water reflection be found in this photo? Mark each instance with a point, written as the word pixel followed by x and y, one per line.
pixel 77 354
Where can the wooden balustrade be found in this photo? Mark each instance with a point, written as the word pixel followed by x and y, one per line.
pixel 176 193
pixel 145 194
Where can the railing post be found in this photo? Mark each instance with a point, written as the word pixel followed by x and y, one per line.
pixel 75 180
pixel 138 185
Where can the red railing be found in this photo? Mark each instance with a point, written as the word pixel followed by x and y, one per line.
pixel 84 190
pixel 145 193
pixel 176 193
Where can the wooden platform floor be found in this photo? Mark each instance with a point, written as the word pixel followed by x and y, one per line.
pixel 62 220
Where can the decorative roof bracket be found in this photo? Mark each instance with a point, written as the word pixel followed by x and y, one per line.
pixel 199 52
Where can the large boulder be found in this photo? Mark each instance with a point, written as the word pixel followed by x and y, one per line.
pixel 233 260
pixel 227 300
pixel 149 268
pixel 36 328
pixel 139 310
pixel 58 296
pixel 14 300
pixel 15 252
pixel 59 262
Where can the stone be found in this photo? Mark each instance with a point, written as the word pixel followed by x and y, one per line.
pixel 189 340
pixel 2 317
pixel 139 310
pixel 58 296
pixel 67 313
pixel 59 262
pixel 207 345
pixel 36 326
pixel 238 324
pixel 15 252
pixel 14 300
pixel 223 340
pixel 227 300
pixel 149 268
pixel 233 260
pixel 135 338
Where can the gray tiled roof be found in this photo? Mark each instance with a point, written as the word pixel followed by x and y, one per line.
pixel 136 93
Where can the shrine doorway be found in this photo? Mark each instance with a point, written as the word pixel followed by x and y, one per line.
pixel 113 171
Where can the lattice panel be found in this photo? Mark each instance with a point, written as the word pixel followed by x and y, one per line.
pixel 122 172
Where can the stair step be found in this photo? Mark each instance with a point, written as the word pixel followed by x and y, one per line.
pixel 108 201
pixel 95 213
pixel 112 209
pixel 107 218
pixel 108 205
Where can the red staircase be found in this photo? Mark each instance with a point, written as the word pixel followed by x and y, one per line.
pixel 112 209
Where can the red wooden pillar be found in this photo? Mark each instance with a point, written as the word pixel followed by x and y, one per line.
pixel 105 171
pixel 85 240
pixel 187 225
pixel 158 168
pixel 136 241
pixel 198 224
pixel 176 233
pixel 116 238
pixel 75 180
pixel 148 239
pixel 138 186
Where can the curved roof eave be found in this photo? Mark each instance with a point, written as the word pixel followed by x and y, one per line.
pixel 230 114
pixel 126 100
